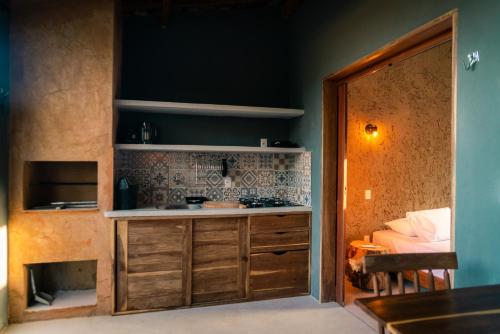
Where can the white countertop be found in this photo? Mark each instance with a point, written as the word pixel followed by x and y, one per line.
pixel 151 212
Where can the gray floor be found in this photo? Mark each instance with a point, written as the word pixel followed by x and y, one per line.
pixel 288 316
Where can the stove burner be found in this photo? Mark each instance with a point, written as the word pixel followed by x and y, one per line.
pixel 253 202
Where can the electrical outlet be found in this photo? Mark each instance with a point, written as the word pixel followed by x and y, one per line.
pixel 368 194
pixel 227 182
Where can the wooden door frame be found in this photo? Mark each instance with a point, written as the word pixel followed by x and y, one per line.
pixel 334 115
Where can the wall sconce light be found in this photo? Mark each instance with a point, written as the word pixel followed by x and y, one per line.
pixel 371 130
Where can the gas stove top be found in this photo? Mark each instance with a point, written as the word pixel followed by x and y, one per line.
pixel 273 202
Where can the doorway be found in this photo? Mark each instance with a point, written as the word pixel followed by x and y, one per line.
pixel 353 88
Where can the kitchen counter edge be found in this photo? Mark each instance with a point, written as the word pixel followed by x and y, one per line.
pixel 203 212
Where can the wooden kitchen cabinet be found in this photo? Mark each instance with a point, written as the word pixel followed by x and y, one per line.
pixel 153 264
pixel 171 262
pixel 279 263
pixel 220 259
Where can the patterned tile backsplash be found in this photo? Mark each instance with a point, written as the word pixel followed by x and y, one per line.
pixel 168 177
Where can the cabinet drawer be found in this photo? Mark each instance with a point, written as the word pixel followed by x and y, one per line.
pixel 259 224
pixel 279 274
pixel 280 240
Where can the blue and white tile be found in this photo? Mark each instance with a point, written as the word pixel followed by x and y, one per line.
pixel 177 196
pixel 281 192
pixel 233 160
pixel 214 178
pixel 279 161
pixel 266 161
pixel 265 192
pixel 215 194
pixel 248 161
pixel 235 175
pixel 232 194
pixel 197 192
pixel 281 178
pixel 249 192
pixel 249 179
pixel 179 178
pixel 159 195
pixel 266 178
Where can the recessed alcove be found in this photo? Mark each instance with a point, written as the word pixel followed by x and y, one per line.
pixel 70 284
pixel 47 184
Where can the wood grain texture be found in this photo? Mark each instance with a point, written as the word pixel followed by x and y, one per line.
pixel 181 262
pixel 329 196
pixel 276 241
pixel 484 324
pixel 121 265
pixel 341 98
pixel 279 273
pixel 218 266
pixel 158 264
pixel 388 309
pixel 410 261
pixel 61 110
pixel 277 223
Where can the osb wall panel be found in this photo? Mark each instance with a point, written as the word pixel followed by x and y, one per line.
pixel 61 110
pixel 408 165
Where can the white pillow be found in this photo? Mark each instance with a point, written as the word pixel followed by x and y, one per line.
pixel 402 226
pixel 431 225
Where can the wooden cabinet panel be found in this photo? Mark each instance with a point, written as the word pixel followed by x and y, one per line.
pixel 261 224
pixel 177 262
pixel 279 274
pixel 154 262
pixel 219 259
pixel 277 241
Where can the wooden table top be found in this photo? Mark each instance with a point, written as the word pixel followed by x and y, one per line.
pixel 484 324
pixel 388 309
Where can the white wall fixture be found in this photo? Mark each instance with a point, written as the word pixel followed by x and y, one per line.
pixel 472 60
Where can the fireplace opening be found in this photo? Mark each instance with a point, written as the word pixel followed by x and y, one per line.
pixel 59 185
pixel 61 285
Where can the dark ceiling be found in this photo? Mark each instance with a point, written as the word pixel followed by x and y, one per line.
pixel 166 8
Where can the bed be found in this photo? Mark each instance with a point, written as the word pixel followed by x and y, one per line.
pixel 400 243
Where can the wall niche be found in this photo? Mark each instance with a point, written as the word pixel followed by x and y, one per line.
pixel 60 185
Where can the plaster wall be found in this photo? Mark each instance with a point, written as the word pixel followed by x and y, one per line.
pixel 407 166
pixel 62 55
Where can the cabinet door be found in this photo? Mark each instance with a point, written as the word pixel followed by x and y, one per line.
pixel 279 274
pixel 153 264
pixel 220 259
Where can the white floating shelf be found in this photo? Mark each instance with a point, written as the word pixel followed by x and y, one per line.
pixel 176 108
pixel 206 148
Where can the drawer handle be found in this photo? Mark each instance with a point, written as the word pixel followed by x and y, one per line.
pixel 279 232
pixel 281 216
pixel 280 253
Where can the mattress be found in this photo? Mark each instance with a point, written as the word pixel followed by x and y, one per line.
pixel 400 243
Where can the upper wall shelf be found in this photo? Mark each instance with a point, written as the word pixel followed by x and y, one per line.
pixel 207 148
pixel 198 109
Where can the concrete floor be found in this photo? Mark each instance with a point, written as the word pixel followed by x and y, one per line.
pixel 288 316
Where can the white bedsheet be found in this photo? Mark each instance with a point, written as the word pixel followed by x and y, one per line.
pixel 400 243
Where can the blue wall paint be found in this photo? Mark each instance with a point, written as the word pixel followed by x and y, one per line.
pixel 329 36
pixel 235 57
pixel 4 83
pixel 478 145
pixel 196 130
pixel 232 57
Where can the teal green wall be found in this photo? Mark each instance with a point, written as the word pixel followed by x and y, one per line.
pixel 196 130
pixel 329 35
pixel 4 83
pixel 238 57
